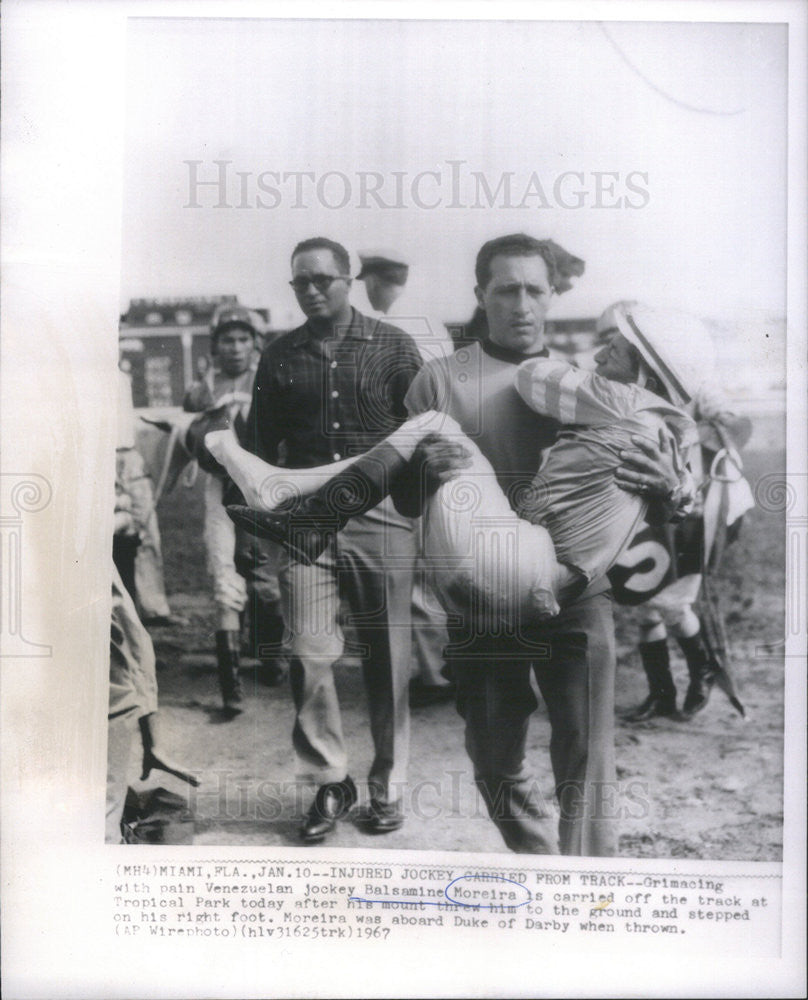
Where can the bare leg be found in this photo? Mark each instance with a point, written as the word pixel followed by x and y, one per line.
pixel 266 486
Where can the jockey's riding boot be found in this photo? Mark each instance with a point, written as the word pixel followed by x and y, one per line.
pixel 269 634
pixel 227 662
pixel 306 526
pixel 217 418
pixel 702 668
pixel 661 698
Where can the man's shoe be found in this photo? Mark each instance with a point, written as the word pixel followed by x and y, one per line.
pixel 698 694
pixel 380 817
pixel 332 801
pixel 304 537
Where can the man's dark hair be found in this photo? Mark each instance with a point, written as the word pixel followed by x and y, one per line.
pixel 561 266
pixel 321 243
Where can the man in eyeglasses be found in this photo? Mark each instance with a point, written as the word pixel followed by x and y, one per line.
pixel 334 387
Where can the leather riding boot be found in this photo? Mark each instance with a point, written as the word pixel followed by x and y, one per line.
pixel 661 698
pixel 227 662
pixel 305 527
pixel 269 633
pixel 702 669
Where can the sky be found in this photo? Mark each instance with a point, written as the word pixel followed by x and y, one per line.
pixel 654 151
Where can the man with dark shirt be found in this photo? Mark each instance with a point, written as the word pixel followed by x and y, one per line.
pixel 335 387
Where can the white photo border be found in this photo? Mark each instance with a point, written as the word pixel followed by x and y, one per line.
pixel 63 146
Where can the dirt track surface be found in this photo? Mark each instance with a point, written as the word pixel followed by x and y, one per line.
pixel 710 788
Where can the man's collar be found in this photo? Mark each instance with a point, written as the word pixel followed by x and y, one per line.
pixel 506 354
pixel 360 327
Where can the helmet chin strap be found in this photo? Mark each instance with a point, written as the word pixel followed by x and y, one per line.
pixel 643 373
pixel 647 374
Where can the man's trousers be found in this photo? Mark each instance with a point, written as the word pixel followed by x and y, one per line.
pixel 370 567
pixel 429 636
pixel 573 659
pixel 132 694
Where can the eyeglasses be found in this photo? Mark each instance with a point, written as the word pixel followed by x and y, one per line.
pixel 322 282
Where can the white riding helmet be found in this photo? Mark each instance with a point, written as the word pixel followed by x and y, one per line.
pixel 676 346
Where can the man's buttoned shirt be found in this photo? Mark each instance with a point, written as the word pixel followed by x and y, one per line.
pixel 318 399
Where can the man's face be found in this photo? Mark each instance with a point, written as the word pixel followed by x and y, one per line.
pixel 234 349
pixel 516 300
pixel 327 303
pixel 618 360
pixel 372 288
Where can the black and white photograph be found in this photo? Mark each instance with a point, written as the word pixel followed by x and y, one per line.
pixel 438 431
pixel 600 603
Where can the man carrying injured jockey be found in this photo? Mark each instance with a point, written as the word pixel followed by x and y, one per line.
pixel 576 520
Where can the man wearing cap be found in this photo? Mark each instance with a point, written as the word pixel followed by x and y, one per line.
pixel 235 559
pixel 385 274
pixel 331 388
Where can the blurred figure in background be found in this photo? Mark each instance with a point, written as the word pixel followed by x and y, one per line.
pixel 242 568
pixel 138 554
pixel 132 701
pixel 132 667
pixel 666 569
pixel 385 274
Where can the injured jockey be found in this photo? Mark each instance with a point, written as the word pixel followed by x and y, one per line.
pixel 574 524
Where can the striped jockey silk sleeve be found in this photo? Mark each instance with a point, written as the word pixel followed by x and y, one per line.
pixel 573 396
